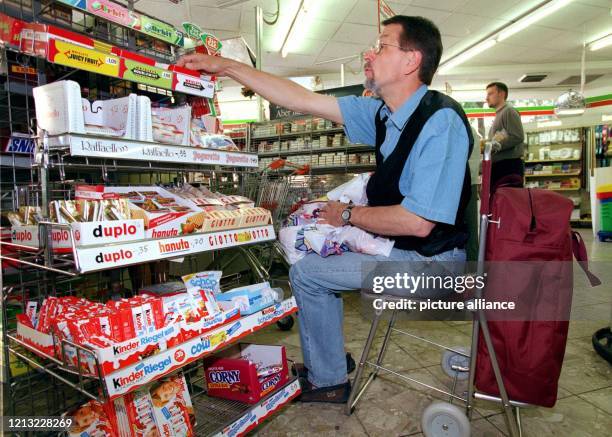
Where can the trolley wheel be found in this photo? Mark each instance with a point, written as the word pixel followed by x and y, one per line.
pixel 441 419
pixel 450 359
pixel 285 324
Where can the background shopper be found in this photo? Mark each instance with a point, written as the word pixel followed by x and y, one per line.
pixel 507 129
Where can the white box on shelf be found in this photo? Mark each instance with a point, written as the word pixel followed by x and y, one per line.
pixel 58 107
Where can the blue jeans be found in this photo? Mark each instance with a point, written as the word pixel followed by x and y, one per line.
pixel 316 283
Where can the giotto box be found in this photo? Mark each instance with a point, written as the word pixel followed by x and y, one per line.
pixel 246 372
pixel 255 217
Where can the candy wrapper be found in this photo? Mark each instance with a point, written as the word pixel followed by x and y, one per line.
pixel 172 407
pixel 202 287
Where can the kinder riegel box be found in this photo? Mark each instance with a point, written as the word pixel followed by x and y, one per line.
pixel 128 352
pixel 139 406
pixel 164 214
pixel 90 420
pixel 247 372
pixel 172 407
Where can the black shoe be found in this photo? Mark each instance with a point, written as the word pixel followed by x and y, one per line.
pixel 301 371
pixel 335 394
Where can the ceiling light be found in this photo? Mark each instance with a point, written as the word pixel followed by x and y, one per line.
pixel 600 43
pixel 468 54
pixel 570 103
pixel 293 30
pixel 503 33
pixel 532 17
pixel 549 123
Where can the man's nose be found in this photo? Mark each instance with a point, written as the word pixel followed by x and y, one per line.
pixel 369 55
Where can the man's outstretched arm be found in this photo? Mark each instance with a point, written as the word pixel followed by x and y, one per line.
pixel 278 90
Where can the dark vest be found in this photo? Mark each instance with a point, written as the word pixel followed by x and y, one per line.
pixel 383 186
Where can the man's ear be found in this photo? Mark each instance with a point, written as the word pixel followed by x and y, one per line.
pixel 413 61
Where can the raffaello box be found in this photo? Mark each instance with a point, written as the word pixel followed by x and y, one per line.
pixel 246 372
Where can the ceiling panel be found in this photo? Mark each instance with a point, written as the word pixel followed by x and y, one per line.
pixel 574 16
pixel 444 5
pixel 463 25
pixel 487 8
pixel 215 18
pixel 356 33
pixel 363 12
pixel 335 10
pixel 435 15
pixel 336 50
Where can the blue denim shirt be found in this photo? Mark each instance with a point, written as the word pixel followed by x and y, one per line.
pixel 432 178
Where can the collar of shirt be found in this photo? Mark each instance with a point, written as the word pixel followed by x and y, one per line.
pixel 401 116
pixel 505 104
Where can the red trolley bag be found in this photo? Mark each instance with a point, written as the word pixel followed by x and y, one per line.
pixel 528 225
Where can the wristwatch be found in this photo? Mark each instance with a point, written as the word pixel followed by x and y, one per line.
pixel 346 214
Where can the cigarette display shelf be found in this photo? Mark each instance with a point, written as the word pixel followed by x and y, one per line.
pixel 151 368
pixel 349 148
pixel 547 175
pixel 539 161
pixel 334 130
pixel 221 417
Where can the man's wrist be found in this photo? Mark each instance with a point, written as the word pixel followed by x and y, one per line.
pixel 356 215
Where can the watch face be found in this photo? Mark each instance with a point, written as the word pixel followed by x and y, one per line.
pixel 346 214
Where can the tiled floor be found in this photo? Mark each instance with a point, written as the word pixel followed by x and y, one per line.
pixel 393 407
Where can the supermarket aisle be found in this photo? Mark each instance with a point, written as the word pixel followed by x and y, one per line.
pixel 392 407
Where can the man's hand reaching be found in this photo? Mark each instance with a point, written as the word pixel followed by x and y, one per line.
pixel 216 65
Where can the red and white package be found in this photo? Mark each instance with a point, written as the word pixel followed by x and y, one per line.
pixel 90 420
pixel 172 407
pixel 140 412
pixel 31 311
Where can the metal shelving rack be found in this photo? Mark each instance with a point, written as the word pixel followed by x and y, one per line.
pixel 46 385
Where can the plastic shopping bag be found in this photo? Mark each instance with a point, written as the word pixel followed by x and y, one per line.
pixel 352 191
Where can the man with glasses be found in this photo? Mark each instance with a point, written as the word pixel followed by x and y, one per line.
pixel 417 195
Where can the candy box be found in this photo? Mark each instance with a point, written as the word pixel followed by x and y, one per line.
pixel 90 420
pixel 252 298
pixel 172 407
pixel 246 372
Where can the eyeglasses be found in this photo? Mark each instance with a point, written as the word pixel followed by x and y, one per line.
pixel 378 46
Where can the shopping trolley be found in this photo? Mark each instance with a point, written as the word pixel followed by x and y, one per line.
pixel 275 191
pixel 442 418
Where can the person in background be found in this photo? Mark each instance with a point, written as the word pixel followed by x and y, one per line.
pixel 507 130
pixel 417 195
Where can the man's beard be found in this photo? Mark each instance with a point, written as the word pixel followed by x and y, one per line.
pixel 370 84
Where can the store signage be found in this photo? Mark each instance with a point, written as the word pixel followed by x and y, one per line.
pixel 20 143
pixel 147 74
pixel 75 56
pixel 163 31
pixel 192 30
pixel 211 42
pixel 193 85
pixel 104 257
pixel 114 12
pixel 143 151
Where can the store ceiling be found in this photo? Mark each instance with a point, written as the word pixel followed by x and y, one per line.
pixel 345 27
